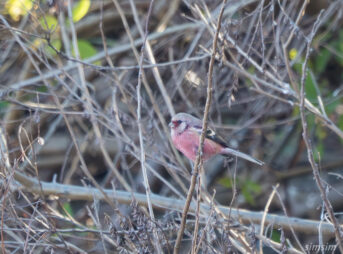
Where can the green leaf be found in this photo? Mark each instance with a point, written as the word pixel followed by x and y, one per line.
pixel 310 119
pixel 340 125
pixel 253 187
pixel 67 208
pixel 4 104
pixel 249 190
pixel 318 151
pixel 48 22
pixel 311 93
pixel 321 134
pixel 321 61
pixel 80 9
pixel 247 196
pixel 57 44
pixel 331 107
pixel 297 67
pixel 42 89
pixel 276 235
pixel 340 122
pixel 296 111
pixel 337 45
pixel 86 50
pixel 226 182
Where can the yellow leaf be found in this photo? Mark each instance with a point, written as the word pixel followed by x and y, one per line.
pixel 80 9
pixel 18 8
pixel 293 53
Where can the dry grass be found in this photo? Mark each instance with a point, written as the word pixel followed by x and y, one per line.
pixel 87 165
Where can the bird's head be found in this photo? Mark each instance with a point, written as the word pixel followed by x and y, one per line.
pixel 181 121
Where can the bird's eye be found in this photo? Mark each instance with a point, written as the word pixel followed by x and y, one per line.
pixel 177 122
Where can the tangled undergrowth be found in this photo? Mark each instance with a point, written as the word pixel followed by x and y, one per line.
pixel 88 89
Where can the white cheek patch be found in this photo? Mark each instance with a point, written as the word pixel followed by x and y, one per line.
pixel 182 127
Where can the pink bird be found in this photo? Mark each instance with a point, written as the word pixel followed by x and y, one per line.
pixel 185 134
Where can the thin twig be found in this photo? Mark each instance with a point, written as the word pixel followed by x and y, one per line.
pixel 152 59
pixel 197 212
pixel 148 88
pixel 140 132
pixel 102 54
pixel 83 162
pixel 291 228
pixel 265 212
pixel 308 143
pixel 89 106
pixel 297 21
pixel 202 136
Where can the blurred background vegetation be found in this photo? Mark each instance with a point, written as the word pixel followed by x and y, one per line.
pixel 69 75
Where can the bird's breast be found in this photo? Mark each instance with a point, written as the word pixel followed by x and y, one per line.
pixel 187 142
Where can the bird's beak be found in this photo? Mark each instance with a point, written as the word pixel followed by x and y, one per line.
pixel 171 125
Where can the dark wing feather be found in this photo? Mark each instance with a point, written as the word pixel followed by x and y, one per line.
pixel 210 134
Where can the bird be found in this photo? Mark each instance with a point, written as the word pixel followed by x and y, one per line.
pixel 185 133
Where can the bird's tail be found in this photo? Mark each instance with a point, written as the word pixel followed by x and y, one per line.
pixel 244 156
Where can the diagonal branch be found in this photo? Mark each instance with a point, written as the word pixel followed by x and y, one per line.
pixel 308 143
pixel 202 136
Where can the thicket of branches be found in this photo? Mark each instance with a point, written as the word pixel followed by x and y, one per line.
pixel 87 164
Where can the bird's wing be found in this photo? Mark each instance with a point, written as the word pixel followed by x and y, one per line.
pixel 211 134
